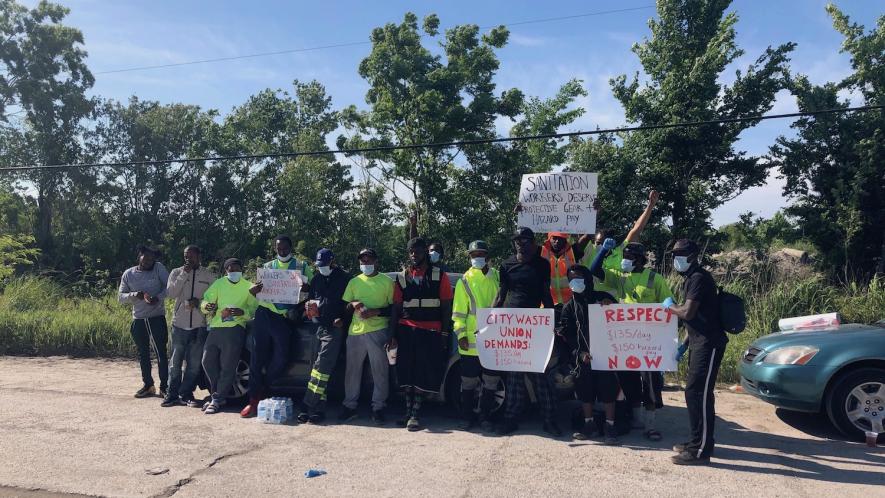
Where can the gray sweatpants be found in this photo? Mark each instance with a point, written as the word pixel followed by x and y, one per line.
pixel 220 358
pixel 370 344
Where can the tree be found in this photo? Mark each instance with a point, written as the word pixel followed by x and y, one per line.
pixel 696 169
pixel 44 79
pixel 834 167
pixel 417 97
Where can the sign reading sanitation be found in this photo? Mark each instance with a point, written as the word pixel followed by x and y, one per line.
pixel 514 339
pixel 558 202
pixel 640 337
pixel 280 286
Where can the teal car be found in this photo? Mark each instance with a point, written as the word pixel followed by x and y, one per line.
pixel 839 371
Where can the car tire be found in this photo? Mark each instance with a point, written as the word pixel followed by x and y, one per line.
pixel 855 403
pixel 241 379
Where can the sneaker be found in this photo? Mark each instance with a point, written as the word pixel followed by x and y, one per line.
pixel 679 448
pixel 507 427
pixel 611 435
pixel 171 401
pixel 191 402
pixel 402 421
pixel 250 410
pixel 689 458
pixel 347 414
pixel 587 432
pixel 551 428
pixel 378 417
pixel 214 406
pixel 317 418
pixel 162 392
pixel 303 417
pixel 146 391
pixel 413 425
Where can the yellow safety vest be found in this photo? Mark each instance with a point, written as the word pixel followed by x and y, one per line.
pixel 473 291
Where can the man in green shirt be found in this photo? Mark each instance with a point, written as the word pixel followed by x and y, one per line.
pixel 229 302
pixel 369 297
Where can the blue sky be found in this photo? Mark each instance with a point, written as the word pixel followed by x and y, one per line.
pixel 539 58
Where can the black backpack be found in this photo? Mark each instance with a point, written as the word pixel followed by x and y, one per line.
pixel 732 312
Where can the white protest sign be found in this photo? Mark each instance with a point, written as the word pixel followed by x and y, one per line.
pixel 640 337
pixel 514 339
pixel 558 202
pixel 280 286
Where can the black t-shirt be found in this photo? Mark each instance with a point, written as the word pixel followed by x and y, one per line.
pixel 706 326
pixel 526 285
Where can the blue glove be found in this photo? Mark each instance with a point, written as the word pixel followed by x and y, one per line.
pixel 680 351
pixel 668 302
pixel 608 244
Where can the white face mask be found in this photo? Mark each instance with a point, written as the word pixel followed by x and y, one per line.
pixel 435 257
pixel 325 270
pixel 234 276
pixel 627 264
pixel 478 263
pixel 285 259
pixel 367 269
pixel 577 285
pixel 681 264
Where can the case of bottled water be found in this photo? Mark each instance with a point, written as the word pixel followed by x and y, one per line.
pixel 275 410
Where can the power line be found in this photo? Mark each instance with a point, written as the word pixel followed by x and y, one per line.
pixel 359 43
pixel 461 143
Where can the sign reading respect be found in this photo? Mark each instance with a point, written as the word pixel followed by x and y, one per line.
pixel 558 202
pixel 640 337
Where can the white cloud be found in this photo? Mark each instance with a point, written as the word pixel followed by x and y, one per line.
pixel 526 40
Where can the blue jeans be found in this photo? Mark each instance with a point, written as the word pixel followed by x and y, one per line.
pixel 187 348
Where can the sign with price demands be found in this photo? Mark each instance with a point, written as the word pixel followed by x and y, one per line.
pixel 280 286
pixel 514 339
pixel 640 337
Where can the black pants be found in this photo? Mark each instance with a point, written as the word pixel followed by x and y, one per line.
pixel 151 333
pixel 643 388
pixel 592 385
pixel 703 367
pixel 421 357
pixel 270 354
pixel 331 339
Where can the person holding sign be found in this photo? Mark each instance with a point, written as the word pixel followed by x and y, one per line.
pixel 613 260
pixel 423 304
pixel 369 297
pixel 476 289
pixel 707 341
pixel 272 329
pixel 634 283
pixel 230 301
pixel 574 326
pixel 525 283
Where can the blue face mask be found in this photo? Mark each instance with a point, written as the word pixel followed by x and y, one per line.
pixel 435 257
pixel 577 285
pixel 681 264
pixel 367 269
pixel 234 276
pixel 627 264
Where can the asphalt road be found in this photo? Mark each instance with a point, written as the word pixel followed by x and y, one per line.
pixel 71 427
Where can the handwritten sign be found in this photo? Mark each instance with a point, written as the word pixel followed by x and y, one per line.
pixel 514 339
pixel 280 286
pixel 558 202
pixel 640 337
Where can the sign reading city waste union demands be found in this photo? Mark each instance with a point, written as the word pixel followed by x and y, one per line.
pixel 514 339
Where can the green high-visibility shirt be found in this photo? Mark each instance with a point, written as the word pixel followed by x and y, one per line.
pixel 611 262
pixel 375 293
pixel 646 286
pixel 227 294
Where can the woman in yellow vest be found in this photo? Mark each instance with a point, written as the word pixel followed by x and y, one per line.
pixel 476 289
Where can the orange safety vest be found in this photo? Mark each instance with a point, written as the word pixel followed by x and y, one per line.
pixel 559 266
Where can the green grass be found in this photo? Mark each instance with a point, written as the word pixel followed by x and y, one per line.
pixel 38 316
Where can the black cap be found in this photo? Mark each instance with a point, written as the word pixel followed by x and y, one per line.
pixel 635 249
pixel 368 251
pixel 232 261
pixel 416 242
pixel 523 233
pixel 685 247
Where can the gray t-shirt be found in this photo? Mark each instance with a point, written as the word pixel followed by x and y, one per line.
pixel 152 282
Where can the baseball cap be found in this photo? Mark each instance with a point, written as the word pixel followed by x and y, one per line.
pixel 523 233
pixel 685 247
pixel 636 249
pixel 478 245
pixel 368 251
pixel 324 257
pixel 232 261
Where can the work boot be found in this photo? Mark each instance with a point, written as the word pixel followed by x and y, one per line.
pixel 468 398
pixel 303 414
pixel 587 432
pixel 317 418
pixel 690 458
pixel 611 435
pixel 413 424
pixel 251 409
pixel 146 391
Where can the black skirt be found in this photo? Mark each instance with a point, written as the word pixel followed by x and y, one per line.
pixel 420 358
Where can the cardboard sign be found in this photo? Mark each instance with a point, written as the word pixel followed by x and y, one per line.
pixel 558 202
pixel 280 286
pixel 514 339
pixel 640 337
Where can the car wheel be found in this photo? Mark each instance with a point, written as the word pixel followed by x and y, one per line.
pixel 241 380
pixel 856 402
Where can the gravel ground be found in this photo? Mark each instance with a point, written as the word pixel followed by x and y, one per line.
pixel 71 427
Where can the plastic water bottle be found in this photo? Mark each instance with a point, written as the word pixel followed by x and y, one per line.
pixel 314 473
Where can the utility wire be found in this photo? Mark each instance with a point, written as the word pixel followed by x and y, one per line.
pixel 359 43
pixel 461 143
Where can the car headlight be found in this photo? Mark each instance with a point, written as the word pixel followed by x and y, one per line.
pixel 791 355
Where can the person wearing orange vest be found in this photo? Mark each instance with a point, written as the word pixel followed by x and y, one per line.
pixel 562 256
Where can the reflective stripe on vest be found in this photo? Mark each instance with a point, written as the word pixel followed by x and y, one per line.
pixel 469 292
pixel 559 273
pixel 419 303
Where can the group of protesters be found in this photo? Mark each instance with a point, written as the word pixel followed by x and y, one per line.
pixel 412 315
